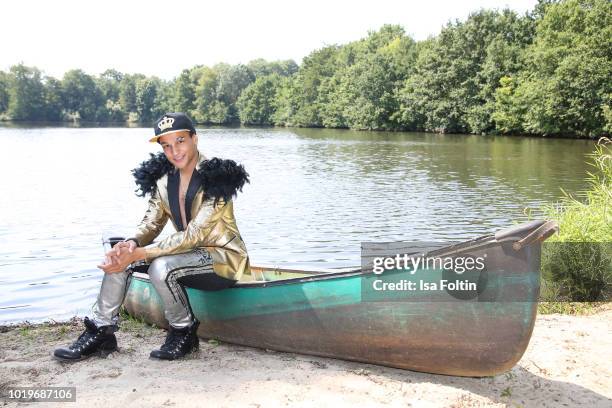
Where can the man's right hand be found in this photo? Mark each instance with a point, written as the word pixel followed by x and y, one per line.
pixel 113 256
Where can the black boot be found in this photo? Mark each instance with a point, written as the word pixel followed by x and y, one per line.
pixel 178 343
pixel 94 340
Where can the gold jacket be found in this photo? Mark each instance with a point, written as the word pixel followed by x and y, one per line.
pixel 210 225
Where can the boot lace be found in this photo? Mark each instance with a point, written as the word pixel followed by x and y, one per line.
pixel 83 339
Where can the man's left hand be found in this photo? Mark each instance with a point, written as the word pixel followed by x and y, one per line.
pixel 117 261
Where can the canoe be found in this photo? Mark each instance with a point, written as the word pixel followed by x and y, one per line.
pixel 341 314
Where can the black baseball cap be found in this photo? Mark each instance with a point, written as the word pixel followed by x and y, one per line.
pixel 170 123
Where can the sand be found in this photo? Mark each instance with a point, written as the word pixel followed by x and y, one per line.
pixel 568 363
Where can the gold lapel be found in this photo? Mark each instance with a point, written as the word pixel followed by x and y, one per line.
pixel 197 199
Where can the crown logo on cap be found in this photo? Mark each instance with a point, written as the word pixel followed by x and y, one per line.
pixel 165 123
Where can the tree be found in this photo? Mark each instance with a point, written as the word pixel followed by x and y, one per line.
pixel 128 97
pixel 256 104
pixel 260 67
pixel 80 95
pixel 109 107
pixel 362 94
pixel 26 93
pixel 546 72
pixel 184 92
pixel 4 91
pixel 287 101
pixel 232 80
pixel 146 99
pixel 456 74
pixel 367 94
pixel 206 97
pixel 53 99
pixel 317 66
pixel 165 95
pixel 108 82
pixel 565 87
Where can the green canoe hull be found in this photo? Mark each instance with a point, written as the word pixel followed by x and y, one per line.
pixel 341 315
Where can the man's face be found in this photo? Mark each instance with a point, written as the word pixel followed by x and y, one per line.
pixel 180 148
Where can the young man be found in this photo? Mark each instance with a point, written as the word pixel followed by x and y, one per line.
pixel 206 251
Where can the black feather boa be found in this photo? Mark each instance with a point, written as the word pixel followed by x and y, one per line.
pixel 149 172
pixel 221 179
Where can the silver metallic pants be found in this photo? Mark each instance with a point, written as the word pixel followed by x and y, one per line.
pixel 164 273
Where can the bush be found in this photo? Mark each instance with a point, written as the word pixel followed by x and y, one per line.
pixel 577 263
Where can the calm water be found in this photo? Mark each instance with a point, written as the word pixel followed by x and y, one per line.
pixel 314 196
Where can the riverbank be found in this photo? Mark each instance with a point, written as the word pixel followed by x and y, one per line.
pixel 237 125
pixel 566 364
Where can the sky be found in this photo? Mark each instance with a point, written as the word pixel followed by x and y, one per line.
pixel 163 37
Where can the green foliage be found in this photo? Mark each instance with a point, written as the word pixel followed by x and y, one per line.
pixel 580 272
pixel 288 98
pixel 548 72
pixel 81 96
pixel 362 93
pixel 577 263
pixel 232 80
pixel 26 93
pixel 260 67
pixel 507 114
pixel 184 92
pixel 54 107
pixel 354 85
pixel 128 95
pixel 216 91
pixel 304 89
pixel 208 106
pixel 256 104
pixel 205 94
pixel 147 90
pixel 570 308
pixel 457 73
pixel 108 83
pixel 565 87
pixel 4 92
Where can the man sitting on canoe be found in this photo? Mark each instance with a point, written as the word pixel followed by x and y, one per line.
pixel 206 252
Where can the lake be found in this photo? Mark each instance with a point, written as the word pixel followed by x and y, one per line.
pixel 315 195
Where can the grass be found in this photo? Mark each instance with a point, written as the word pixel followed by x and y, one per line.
pixel 59 330
pixel 577 262
pixel 26 331
pixel 137 326
pixel 571 308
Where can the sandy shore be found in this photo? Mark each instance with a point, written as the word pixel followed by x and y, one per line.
pixel 567 364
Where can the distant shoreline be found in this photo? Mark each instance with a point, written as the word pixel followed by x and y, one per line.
pixel 136 125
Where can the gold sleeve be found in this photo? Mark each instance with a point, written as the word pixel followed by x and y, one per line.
pixel 153 221
pixel 203 230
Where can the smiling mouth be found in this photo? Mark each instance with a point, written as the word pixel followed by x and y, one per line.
pixel 179 158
